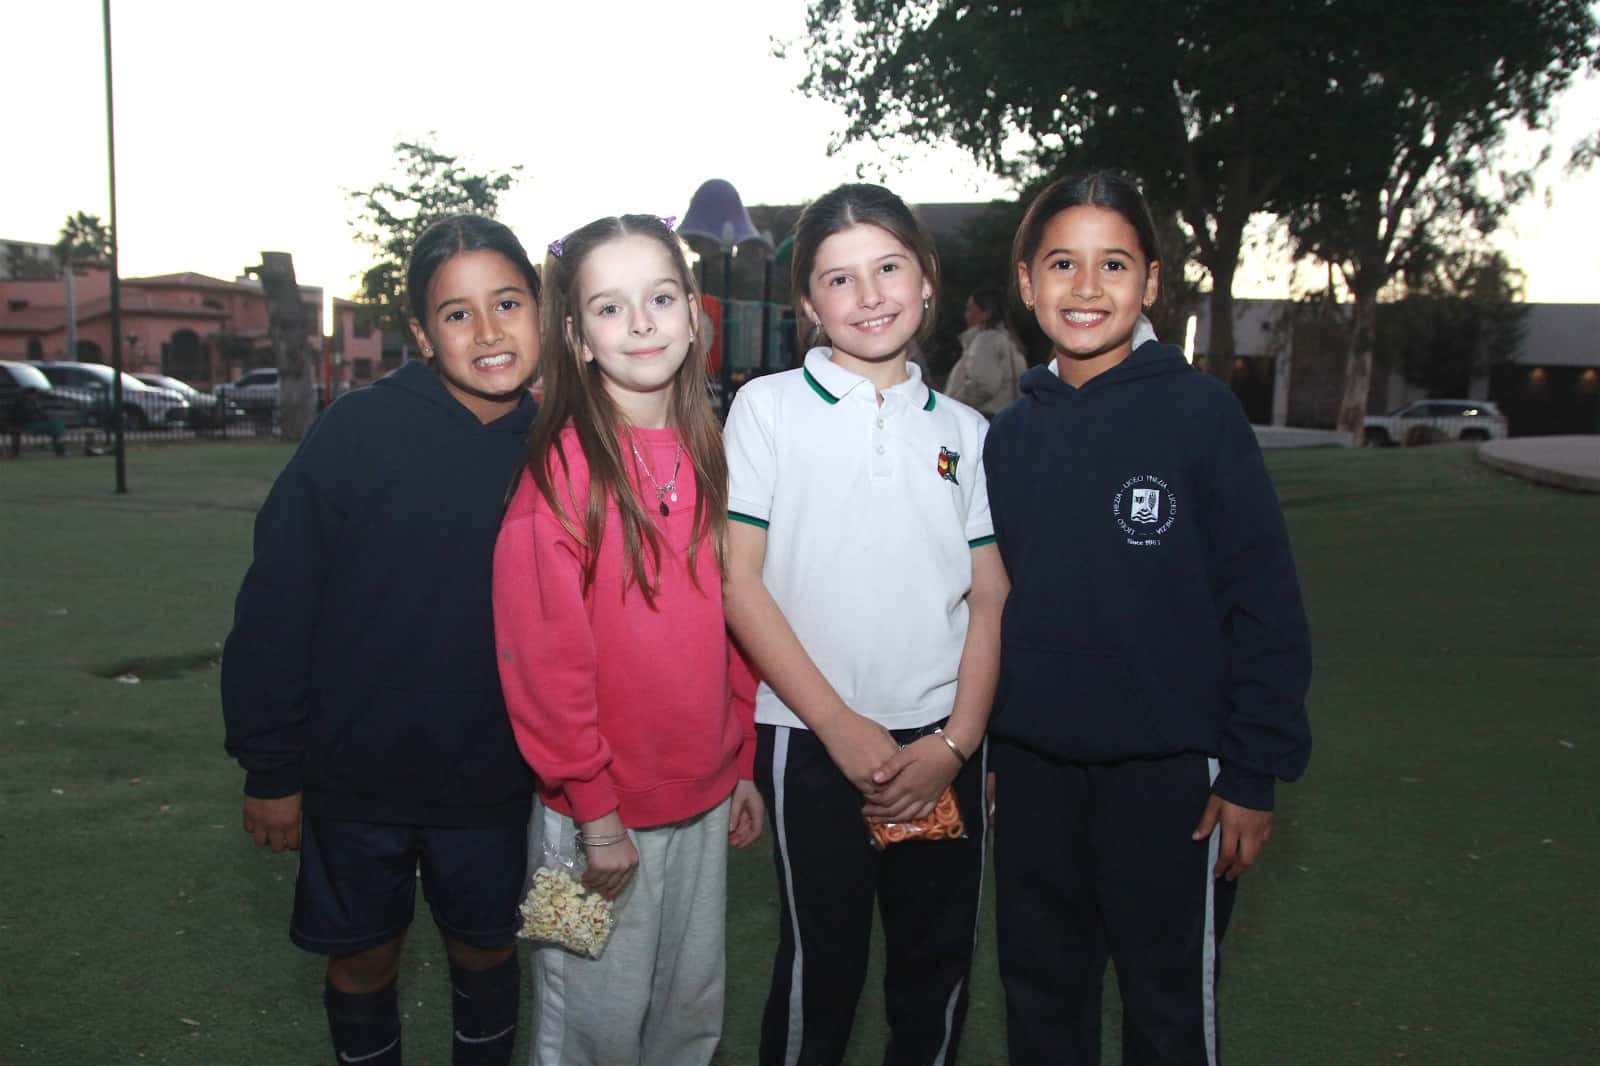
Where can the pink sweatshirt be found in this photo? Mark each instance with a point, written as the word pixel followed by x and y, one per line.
pixel 617 705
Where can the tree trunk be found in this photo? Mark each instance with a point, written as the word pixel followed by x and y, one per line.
pixel 1220 344
pixel 297 401
pixel 1223 264
pixel 1358 364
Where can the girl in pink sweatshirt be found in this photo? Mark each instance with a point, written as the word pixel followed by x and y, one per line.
pixel 617 669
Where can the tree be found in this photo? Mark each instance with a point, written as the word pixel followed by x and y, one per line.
pixel 1421 132
pixel 83 237
pixel 287 327
pixel 392 214
pixel 1211 104
pixel 1454 325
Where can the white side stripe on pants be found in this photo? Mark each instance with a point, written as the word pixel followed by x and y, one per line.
pixel 549 1032
pixel 983 852
pixel 1208 944
pixel 780 765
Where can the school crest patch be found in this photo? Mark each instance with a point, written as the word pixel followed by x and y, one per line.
pixel 947 464
pixel 1144 509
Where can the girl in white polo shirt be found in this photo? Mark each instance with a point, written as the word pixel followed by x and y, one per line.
pixel 864 582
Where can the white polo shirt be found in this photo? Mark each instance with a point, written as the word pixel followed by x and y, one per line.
pixel 871 513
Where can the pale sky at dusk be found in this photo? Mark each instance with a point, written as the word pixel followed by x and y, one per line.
pixel 623 106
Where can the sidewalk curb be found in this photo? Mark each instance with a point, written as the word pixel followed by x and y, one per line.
pixel 1512 457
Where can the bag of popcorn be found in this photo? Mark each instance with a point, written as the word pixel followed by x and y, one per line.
pixel 560 910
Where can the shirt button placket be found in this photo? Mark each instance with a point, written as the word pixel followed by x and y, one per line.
pixel 880 449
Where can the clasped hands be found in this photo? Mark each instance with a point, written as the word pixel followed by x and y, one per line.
pixel 898 784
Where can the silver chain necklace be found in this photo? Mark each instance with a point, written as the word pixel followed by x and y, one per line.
pixel 666 492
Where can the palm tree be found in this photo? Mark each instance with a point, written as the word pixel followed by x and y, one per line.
pixel 83 236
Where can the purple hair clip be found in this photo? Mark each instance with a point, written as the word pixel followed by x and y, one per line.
pixel 668 222
pixel 556 246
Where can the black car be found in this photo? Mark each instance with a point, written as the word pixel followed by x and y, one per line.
pixel 18 379
pixel 91 383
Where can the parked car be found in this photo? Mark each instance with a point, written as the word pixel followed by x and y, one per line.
pixel 254 391
pixel 205 411
pixel 1437 419
pixel 17 378
pixel 90 385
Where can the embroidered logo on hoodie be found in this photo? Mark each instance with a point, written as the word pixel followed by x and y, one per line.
pixel 947 464
pixel 1144 508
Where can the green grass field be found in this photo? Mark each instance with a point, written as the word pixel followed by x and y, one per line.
pixel 1431 895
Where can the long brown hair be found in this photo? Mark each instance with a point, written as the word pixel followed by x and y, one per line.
pixel 574 395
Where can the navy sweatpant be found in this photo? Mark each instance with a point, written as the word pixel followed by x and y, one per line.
pixel 829 876
pixel 1095 862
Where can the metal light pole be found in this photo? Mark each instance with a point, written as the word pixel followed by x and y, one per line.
pixel 116 289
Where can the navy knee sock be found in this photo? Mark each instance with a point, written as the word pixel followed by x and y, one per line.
pixel 485 1013
pixel 365 1025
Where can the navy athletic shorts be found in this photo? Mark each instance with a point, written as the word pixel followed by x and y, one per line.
pixel 357 883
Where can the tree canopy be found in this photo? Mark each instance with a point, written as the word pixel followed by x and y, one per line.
pixel 1456 324
pixel 1204 101
pixel 83 236
pixel 390 215
pixel 1414 174
pixel 1360 121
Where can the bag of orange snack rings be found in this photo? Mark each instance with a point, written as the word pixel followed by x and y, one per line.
pixel 944 822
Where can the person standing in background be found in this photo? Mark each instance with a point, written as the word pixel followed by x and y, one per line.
pixel 991 363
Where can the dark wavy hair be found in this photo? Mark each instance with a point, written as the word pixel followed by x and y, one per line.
pixel 992 302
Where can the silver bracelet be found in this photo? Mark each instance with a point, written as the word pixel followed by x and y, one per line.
pixel 959 754
pixel 600 841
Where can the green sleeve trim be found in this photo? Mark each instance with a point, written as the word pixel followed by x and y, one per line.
pixel 749 520
pixel 981 541
pixel 816 386
pixel 929 405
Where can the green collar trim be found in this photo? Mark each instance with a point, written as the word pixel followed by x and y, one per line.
pixel 816 386
pixel 929 405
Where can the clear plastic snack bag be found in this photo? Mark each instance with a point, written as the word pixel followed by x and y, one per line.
pixel 944 822
pixel 560 910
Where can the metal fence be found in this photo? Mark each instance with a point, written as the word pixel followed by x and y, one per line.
pixel 46 422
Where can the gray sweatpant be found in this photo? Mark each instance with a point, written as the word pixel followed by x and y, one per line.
pixel 655 994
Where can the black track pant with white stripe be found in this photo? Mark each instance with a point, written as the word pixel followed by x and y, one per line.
pixel 829 877
pixel 1095 861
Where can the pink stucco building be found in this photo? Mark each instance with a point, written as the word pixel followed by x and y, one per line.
pixel 201 329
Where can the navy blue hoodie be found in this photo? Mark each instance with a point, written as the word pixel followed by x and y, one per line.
pixel 1154 605
pixel 361 665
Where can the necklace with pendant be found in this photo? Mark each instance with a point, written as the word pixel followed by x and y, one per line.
pixel 668 491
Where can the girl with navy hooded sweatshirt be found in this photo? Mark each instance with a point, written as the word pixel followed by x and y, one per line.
pixel 1155 653
pixel 359 684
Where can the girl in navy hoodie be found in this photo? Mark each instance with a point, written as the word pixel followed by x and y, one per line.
pixel 1155 654
pixel 359 685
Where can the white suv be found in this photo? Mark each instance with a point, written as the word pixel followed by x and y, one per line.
pixel 1425 420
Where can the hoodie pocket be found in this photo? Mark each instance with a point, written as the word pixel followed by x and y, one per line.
pixel 1078 704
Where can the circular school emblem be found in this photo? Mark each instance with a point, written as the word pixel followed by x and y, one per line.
pixel 1144 509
